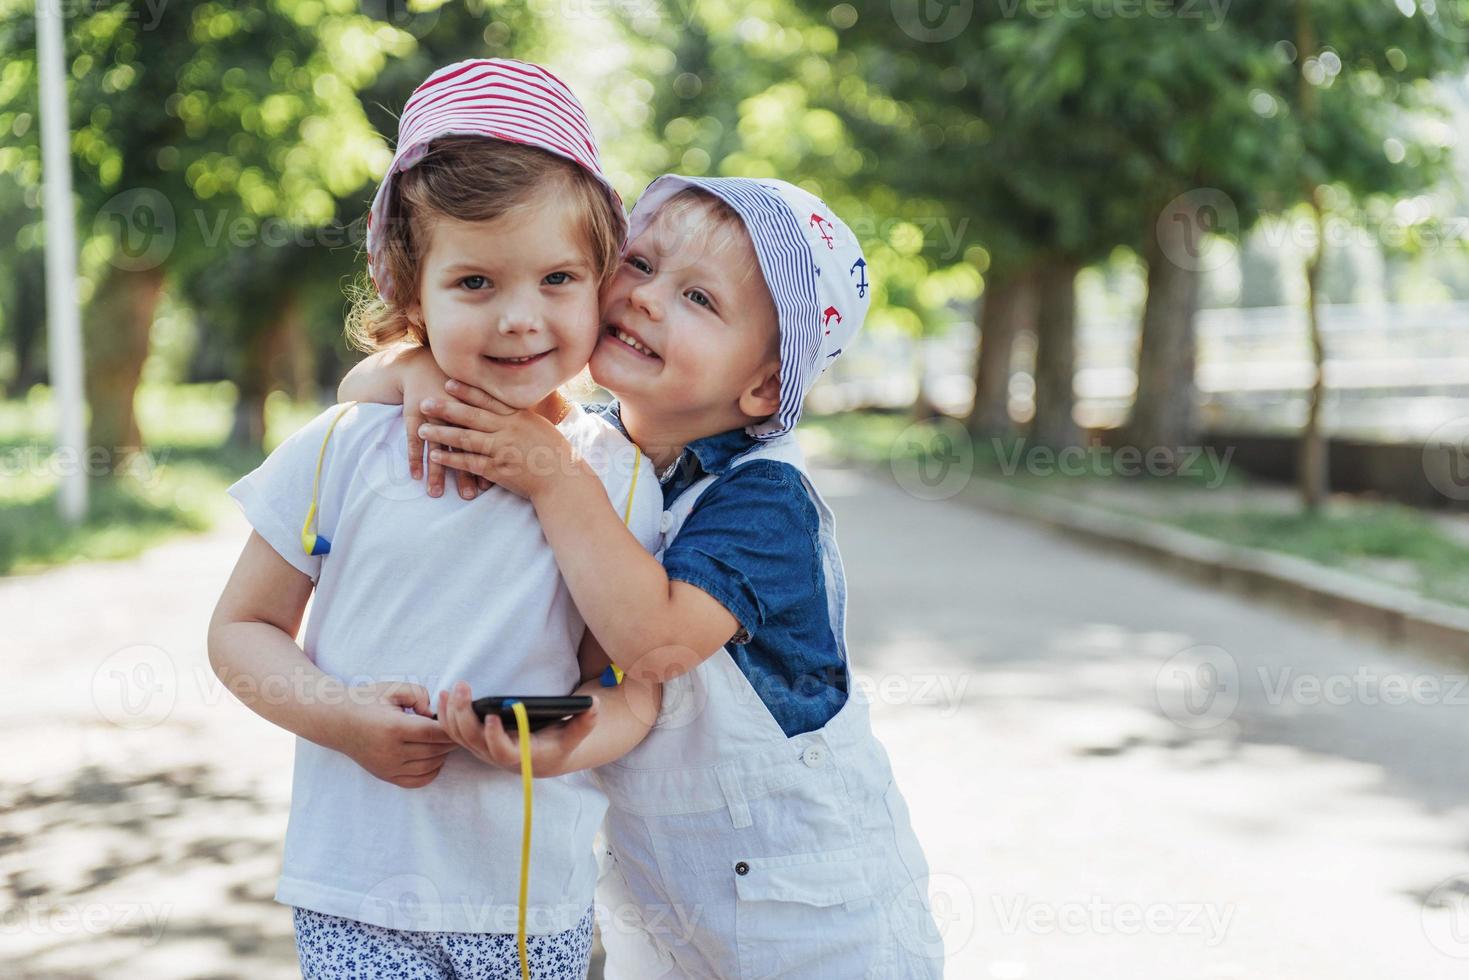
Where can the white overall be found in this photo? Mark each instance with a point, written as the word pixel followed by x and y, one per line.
pixel 736 852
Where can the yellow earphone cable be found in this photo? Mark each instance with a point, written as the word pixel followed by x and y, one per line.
pixel 522 728
pixel 637 467
pixel 309 540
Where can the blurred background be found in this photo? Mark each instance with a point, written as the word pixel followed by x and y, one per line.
pixel 1184 278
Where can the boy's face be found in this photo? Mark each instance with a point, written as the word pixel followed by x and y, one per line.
pixel 510 303
pixel 687 321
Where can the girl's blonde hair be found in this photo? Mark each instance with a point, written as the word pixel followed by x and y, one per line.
pixel 473 178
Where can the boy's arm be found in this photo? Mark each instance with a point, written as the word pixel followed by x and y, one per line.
pixel 252 650
pixel 651 626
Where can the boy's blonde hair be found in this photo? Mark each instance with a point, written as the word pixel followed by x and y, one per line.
pixel 704 221
pixel 472 178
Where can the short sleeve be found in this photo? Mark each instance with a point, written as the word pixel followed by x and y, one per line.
pixel 276 495
pixel 752 543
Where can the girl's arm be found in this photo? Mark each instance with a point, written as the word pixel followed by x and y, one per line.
pixel 252 650
pixel 405 375
pixel 619 719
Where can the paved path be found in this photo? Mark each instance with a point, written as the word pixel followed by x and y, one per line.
pixel 1116 774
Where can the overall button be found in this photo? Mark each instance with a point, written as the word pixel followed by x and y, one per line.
pixel 742 868
pixel 665 523
pixel 814 756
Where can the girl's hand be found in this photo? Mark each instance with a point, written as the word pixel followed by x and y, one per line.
pixel 478 434
pixel 404 749
pixel 550 747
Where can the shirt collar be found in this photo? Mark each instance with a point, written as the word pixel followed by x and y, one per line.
pixel 714 453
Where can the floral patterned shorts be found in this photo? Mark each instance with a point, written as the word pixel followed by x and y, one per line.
pixel 331 947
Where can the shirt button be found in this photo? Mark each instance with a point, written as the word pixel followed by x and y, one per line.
pixel 814 756
pixel 665 523
pixel 742 868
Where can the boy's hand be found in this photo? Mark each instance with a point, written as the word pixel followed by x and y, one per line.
pixel 404 749
pixel 478 434
pixel 423 379
pixel 550 747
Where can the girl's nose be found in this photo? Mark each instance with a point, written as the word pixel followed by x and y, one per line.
pixel 517 320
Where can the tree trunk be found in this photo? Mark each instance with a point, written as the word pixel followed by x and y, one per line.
pixel 923 408
pixel 1009 306
pixel 266 367
pixel 1313 464
pixel 27 321
pixel 118 321
pixel 1163 411
pixel 1055 355
pixel 1312 472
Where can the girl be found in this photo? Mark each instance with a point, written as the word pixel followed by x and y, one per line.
pixel 488 240
pixel 757 832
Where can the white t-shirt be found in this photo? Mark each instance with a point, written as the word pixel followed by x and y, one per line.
pixel 433 591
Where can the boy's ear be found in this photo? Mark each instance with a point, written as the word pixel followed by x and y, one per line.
pixel 762 399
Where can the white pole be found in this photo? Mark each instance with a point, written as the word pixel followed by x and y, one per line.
pixel 65 329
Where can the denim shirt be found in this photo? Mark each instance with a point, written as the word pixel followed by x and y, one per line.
pixel 752 543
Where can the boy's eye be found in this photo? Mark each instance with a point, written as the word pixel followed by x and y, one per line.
pixel 638 263
pixel 557 278
pixel 700 298
pixel 474 282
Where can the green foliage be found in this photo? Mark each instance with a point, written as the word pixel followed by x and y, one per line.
pixel 177 486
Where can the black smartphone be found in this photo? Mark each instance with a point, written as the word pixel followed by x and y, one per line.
pixel 540 712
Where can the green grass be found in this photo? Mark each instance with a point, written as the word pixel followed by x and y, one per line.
pixel 1379 540
pixel 176 487
pixel 1382 541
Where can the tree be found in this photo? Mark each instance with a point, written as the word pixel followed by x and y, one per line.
pixel 190 123
pixel 1360 74
pixel 275 300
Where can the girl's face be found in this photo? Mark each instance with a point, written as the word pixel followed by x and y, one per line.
pixel 687 322
pixel 510 303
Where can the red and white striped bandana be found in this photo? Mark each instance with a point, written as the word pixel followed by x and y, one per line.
pixel 501 98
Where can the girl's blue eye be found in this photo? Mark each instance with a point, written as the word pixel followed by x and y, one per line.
pixel 558 278
pixel 474 282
